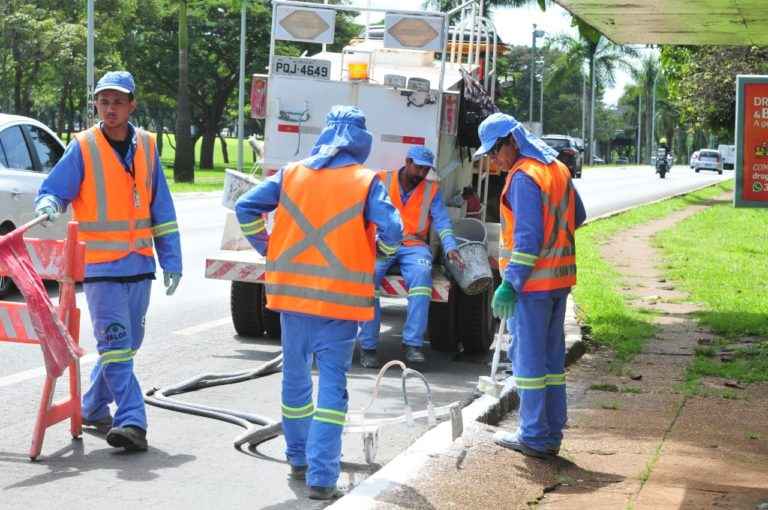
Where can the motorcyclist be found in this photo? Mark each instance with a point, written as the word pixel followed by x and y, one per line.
pixel 662 156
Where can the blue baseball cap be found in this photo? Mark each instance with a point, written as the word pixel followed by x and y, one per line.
pixel 421 156
pixel 495 126
pixel 121 81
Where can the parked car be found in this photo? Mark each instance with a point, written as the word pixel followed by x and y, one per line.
pixel 567 151
pixel 694 159
pixel 709 159
pixel 28 151
pixel 622 160
pixel 728 153
pixel 597 160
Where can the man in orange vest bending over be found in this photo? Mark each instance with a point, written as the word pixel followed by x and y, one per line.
pixel 420 203
pixel 112 176
pixel 320 260
pixel 540 209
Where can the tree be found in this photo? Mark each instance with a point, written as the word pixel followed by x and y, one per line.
pixel 184 160
pixel 702 82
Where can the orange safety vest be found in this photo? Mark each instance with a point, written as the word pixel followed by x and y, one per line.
pixel 321 253
pixel 415 213
pixel 555 265
pixel 112 207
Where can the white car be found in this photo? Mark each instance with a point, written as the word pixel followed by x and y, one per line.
pixel 709 159
pixel 28 151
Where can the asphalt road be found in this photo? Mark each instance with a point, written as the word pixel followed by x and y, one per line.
pixel 191 463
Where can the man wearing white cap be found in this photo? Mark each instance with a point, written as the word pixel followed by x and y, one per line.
pixel 540 209
pixel 420 203
pixel 112 176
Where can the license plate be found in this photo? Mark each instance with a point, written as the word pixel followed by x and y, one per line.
pixel 305 67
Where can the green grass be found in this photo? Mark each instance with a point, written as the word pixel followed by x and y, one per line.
pixel 210 179
pixel 605 387
pixel 612 321
pixel 719 257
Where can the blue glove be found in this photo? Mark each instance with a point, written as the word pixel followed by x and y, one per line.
pixel 171 281
pixel 46 207
pixel 504 301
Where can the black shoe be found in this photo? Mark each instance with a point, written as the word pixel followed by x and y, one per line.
pixel 414 354
pixel 102 424
pixel 298 472
pixel 324 493
pixel 368 358
pixel 131 438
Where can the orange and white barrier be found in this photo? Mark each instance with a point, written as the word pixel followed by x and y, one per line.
pixel 63 261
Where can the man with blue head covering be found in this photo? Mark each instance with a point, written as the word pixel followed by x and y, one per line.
pixel 420 204
pixel 320 263
pixel 540 209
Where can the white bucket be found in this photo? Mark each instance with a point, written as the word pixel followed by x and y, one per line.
pixel 235 185
pixel 476 275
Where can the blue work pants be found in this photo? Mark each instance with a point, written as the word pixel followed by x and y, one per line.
pixel 118 312
pixel 313 434
pixel 538 363
pixel 416 268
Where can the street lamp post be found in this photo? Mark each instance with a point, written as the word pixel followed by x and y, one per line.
pixel 540 79
pixel 536 33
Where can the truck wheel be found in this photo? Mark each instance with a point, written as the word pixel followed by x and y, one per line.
pixel 475 321
pixel 6 284
pixel 441 325
pixel 246 303
pixel 271 320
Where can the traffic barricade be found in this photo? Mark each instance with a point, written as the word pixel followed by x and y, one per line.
pixel 26 323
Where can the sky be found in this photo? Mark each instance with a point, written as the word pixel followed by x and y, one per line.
pixel 515 27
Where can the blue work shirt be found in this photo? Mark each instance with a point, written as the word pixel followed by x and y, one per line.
pixel 265 197
pixel 63 186
pixel 524 198
pixel 440 219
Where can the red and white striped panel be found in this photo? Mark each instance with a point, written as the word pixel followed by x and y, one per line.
pixel 15 323
pixel 394 286
pixel 47 257
pixel 239 271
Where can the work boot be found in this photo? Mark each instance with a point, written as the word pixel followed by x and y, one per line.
pixel 298 472
pixel 324 493
pixel 513 442
pixel 368 358
pixel 131 438
pixel 414 355
pixel 101 424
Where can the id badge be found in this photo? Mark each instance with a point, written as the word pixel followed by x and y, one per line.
pixel 136 199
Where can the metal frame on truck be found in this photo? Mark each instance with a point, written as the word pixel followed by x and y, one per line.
pixel 410 93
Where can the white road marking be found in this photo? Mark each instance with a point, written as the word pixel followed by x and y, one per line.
pixel 32 373
pixel 193 330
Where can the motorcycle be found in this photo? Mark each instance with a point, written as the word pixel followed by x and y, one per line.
pixel 662 163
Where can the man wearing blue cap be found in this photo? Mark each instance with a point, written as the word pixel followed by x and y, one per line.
pixel 320 262
pixel 420 203
pixel 112 176
pixel 540 209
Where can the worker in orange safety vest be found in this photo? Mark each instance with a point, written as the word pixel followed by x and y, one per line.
pixel 540 210
pixel 420 204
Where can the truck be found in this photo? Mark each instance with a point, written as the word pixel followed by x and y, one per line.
pixel 728 153
pixel 411 75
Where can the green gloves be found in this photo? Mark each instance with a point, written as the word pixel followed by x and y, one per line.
pixel 504 301
pixel 171 281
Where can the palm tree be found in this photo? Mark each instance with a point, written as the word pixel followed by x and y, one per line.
pixel 645 76
pixel 602 58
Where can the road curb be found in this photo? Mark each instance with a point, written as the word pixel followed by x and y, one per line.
pixel 410 463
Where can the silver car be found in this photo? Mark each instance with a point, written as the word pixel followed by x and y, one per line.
pixel 709 160
pixel 28 151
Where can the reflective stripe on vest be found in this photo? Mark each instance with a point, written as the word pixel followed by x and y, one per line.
pixel 416 222
pixel 112 207
pixel 324 270
pixel 554 266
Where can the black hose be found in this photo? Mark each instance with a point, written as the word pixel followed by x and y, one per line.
pixel 265 428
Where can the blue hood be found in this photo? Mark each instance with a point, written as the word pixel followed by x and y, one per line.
pixel 343 142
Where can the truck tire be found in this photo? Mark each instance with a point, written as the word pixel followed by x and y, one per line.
pixel 441 325
pixel 246 304
pixel 475 321
pixel 271 320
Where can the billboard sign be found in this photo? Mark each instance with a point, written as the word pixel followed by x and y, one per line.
pixel 751 141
